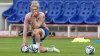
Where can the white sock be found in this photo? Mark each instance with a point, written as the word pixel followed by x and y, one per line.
pixel 38 44
pixel 49 49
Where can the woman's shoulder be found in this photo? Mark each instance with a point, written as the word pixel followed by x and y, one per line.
pixel 27 17
pixel 28 14
pixel 41 13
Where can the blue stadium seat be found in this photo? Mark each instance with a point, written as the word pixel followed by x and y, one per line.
pixel 85 11
pixel 41 0
pixel 95 18
pixel 43 6
pixel 12 9
pixel 69 0
pixel 54 10
pixel 84 0
pixel 19 15
pixel 48 0
pixel 69 11
pixel 56 0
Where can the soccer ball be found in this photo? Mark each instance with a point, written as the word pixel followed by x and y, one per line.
pixel 24 49
pixel 30 48
pixel 90 50
pixel 34 48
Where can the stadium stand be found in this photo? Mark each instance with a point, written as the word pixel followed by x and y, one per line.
pixel 11 10
pixel 73 14
pixel 54 11
pixel 69 11
pixel 48 0
pixel 43 6
pixel 19 15
pixel 41 0
pixel 62 13
pixel 85 0
pixel 95 18
pixel 85 11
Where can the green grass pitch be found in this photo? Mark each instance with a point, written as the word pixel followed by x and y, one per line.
pixel 11 47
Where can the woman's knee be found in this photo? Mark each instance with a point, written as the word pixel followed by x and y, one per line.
pixel 36 31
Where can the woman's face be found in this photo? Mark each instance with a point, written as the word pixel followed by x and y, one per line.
pixel 34 9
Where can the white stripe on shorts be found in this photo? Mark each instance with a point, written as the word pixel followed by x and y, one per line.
pixel 43 33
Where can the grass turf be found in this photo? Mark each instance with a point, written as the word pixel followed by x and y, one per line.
pixel 11 47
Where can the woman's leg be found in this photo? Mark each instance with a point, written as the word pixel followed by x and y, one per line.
pixel 38 35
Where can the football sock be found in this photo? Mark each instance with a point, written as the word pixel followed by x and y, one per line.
pixel 49 49
pixel 38 44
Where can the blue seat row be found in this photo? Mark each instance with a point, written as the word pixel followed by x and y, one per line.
pixel 75 13
pixel 12 9
pixel 22 9
pixel 58 12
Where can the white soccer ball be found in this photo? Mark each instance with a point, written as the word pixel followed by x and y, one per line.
pixel 30 48
pixel 90 50
pixel 34 48
pixel 24 49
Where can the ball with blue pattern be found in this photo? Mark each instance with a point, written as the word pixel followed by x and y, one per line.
pixel 90 50
pixel 35 48
pixel 25 49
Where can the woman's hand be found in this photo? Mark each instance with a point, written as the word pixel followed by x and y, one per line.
pixel 23 44
pixel 35 14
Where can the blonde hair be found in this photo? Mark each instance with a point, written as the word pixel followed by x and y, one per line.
pixel 35 4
